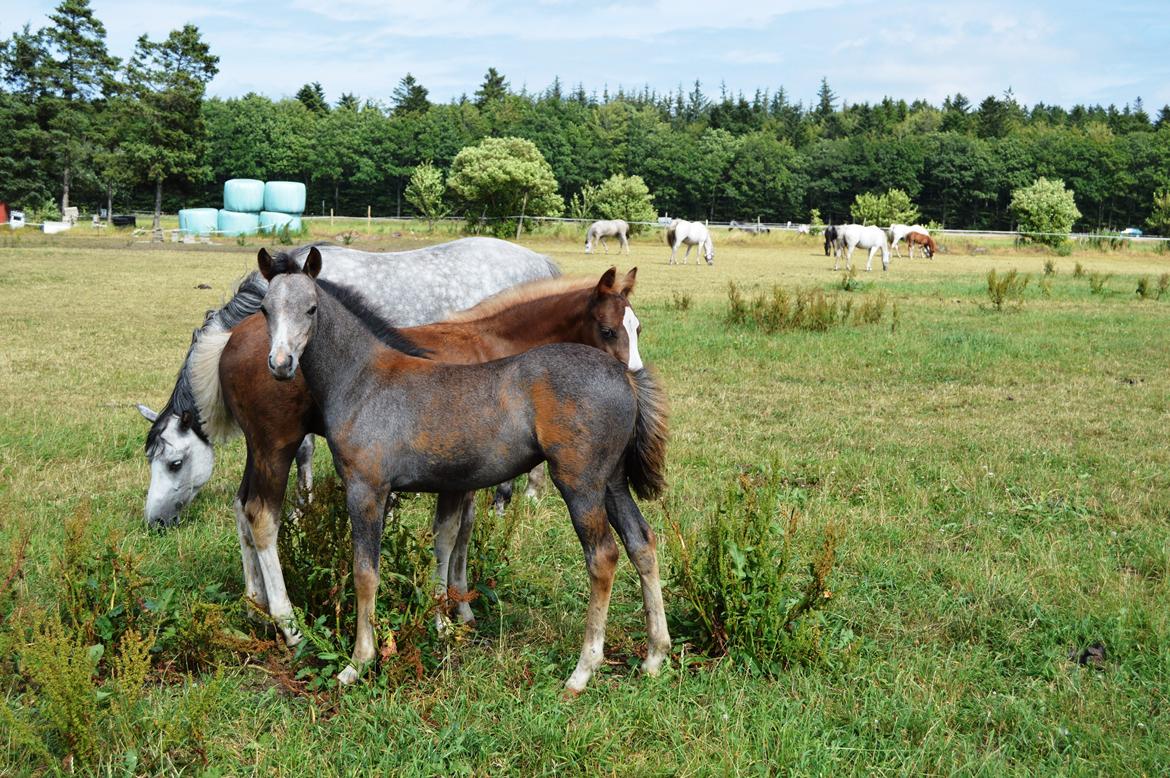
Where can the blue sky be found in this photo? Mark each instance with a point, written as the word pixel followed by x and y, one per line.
pixel 1055 52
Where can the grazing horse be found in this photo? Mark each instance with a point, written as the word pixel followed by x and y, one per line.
pixel 853 235
pixel 431 283
pixel 915 238
pixel 832 241
pixel 600 230
pixel 898 232
pixel 275 415
pixel 396 421
pixel 692 234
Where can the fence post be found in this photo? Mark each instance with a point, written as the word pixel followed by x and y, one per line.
pixel 330 217
pixel 369 219
pixel 520 224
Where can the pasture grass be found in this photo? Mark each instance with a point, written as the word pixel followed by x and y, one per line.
pixel 1000 484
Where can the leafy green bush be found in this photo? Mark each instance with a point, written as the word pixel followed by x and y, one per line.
pixel 1079 271
pixel 1050 267
pixel 1144 289
pixel 741 591
pixel 1159 218
pixel 425 192
pixel 628 198
pixel 501 178
pixel 1045 211
pixel 893 207
pixel 1010 286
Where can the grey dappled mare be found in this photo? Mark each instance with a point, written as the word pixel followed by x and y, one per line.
pixel 431 282
pixel 395 422
pixel 609 228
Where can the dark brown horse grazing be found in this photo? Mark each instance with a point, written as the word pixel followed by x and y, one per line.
pixel 929 247
pixel 274 416
pixel 395 421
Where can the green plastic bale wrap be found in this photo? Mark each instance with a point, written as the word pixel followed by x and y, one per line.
pixel 233 223
pixel 284 196
pixel 272 222
pixel 243 194
pixel 199 221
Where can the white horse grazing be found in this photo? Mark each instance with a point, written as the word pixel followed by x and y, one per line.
pixel 853 235
pixel 692 234
pixel 898 233
pixel 600 230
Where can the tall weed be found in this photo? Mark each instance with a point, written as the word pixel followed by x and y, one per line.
pixel 737 570
pixel 1009 287
pixel 806 309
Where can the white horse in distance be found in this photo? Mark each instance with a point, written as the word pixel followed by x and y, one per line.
pixel 600 230
pixel 898 233
pixel 692 234
pixel 853 235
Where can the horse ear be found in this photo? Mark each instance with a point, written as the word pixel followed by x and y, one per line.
pixel 605 285
pixel 147 413
pixel 628 282
pixel 265 262
pixel 313 262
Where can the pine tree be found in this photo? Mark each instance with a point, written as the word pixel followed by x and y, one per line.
pixel 493 89
pixel 166 134
pixel 312 96
pixel 825 100
pixel 410 96
pixel 80 73
pixel 348 102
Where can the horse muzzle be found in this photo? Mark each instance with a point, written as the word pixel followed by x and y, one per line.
pixel 282 366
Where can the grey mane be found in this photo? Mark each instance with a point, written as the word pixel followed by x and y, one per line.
pixel 245 302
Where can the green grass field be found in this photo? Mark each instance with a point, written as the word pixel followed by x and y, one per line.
pixel 1002 480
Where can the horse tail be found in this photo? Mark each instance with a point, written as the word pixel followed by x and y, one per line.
pixel 646 453
pixel 670 236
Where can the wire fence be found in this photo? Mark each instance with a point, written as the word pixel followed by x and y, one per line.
pixel 796 227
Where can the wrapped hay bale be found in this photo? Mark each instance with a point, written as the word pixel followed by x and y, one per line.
pixel 233 223
pixel 243 194
pixel 199 221
pixel 284 197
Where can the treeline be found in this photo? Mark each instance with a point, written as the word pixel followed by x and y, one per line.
pixel 718 156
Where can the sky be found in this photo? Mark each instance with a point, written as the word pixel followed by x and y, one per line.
pixel 1051 51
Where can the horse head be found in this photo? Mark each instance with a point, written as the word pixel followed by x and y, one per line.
pixel 709 250
pixel 615 326
pixel 180 460
pixel 290 309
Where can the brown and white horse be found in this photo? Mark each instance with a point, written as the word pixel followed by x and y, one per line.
pixel 399 422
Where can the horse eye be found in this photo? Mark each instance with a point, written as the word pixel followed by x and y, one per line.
pixel 607 333
pixel 175 465
pixel 312 310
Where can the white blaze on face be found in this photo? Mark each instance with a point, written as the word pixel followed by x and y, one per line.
pixel 630 322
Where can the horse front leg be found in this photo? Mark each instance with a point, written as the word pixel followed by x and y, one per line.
pixel 625 243
pixel 253 577
pixel 869 259
pixel 366 508
pixel 262 513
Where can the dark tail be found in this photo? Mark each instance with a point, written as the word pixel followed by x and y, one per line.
pixel 670 236
pixel 646 454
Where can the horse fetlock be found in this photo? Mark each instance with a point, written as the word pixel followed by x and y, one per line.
pixel 348 676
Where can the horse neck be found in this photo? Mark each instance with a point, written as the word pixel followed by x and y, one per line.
pixel 554 318
pixel 341 348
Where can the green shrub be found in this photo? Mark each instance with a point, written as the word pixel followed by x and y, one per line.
pixel 742 594
pixel 1064 249
pixel 1009 287
pixel 806 309
pixel 1098 283
pixel 1079 271
pixel 1144 289
pixel 680 301
pixel 1045 211
pixel 1050 267
pixel 1163 285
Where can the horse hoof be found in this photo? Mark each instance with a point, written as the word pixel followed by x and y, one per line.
pixel 293 639
pixel 347 676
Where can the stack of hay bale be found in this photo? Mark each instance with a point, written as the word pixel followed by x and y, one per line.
pixel 249 206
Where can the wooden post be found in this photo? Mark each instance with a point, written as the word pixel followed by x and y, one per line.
pixel 369 220
pixel 520 224
pixel 330 217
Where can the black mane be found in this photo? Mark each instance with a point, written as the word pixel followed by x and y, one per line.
pixel 373 321
pixel 245 302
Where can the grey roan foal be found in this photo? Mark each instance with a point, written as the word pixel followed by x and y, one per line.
pixel 395 421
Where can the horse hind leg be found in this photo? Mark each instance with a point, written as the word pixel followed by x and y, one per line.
pixel 304 459
pixel 587 510
pixel 536 482
pixel 457 567
pixel 642 548
pixel 502 497
pixel 445 530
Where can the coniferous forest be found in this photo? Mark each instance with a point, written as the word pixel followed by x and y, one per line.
pixel 81 127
